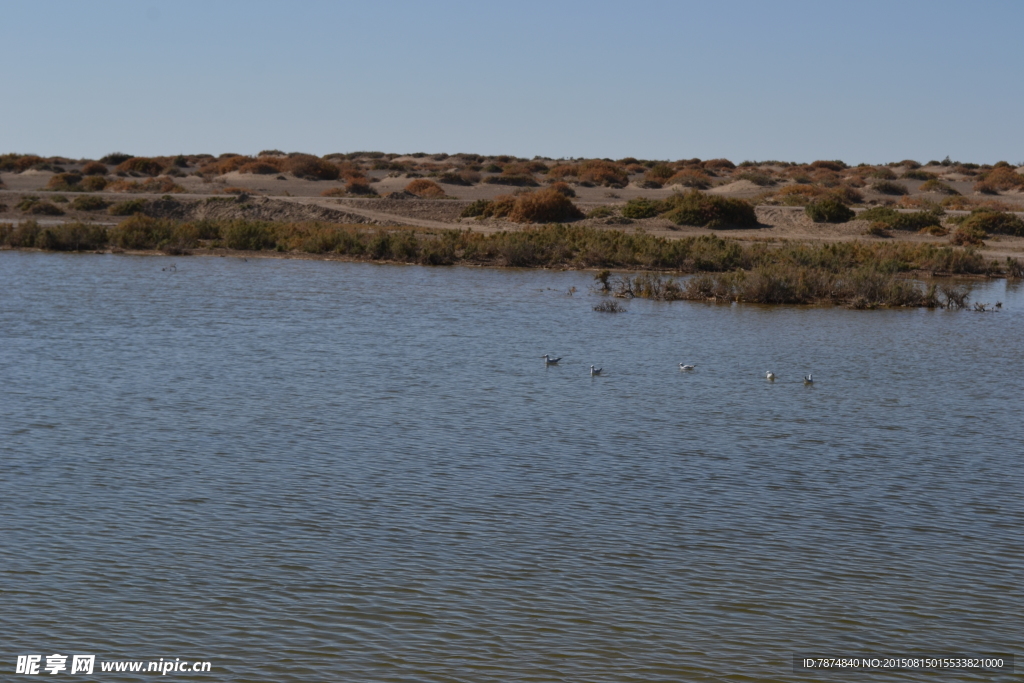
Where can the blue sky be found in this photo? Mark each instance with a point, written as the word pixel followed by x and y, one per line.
pixel 797 81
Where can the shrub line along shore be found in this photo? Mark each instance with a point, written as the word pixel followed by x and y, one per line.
pixel 859 274
pixel 852 235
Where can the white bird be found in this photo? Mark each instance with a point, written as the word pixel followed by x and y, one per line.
pixel 809 379
pixel 686 367
pixel 595 371
pixel 769 375
pixel 548 360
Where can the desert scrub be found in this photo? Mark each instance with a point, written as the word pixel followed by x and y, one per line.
pixel 310 167
pixel 988 222
pixel 829 210
pixel 563 188
pixel 425 189
pixel 544 206
pixel 140 165
pixel 965 236
pixel 690 178
pixel 601 212
pixel 65 182
pixel 758 178
pixel 643 208
pixel 94 168
pixel 709 211
pixel 38 207
pixel 127 208
pixel 600 172
pixel 899 220
pixel 153 185
pixel 89 203
pixel 935 185
pixel 918 174
pixel 999 179
pixel 889 187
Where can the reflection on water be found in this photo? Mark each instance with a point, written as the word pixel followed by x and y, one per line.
pixel 333 471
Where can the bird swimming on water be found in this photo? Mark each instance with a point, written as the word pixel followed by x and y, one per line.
pixel 809 379
pixel 595 371
pixel 769 375
pixel 548 360
pixel 683 366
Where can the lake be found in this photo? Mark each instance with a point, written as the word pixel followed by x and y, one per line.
pixel 312 470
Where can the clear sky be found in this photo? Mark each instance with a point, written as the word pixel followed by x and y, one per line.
pixel 860 81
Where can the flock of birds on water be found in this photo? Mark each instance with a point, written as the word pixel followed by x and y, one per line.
pixel 685 367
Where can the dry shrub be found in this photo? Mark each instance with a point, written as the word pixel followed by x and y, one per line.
pixel 835 165
pixel 659 173
pixel 967 237
pixel 709 211
pixel 94 168
pixel 94 183
pixel 718 164
pixel 425 189
pixel 18 163
pixel 360 186
pixel 798 195
pixel 263 166
pixel 561 171
pixel 312 168
pixel 462 176
pixel 544 206
pixel 961 203
pixel 64 182
pixel 41 208
pixel 141 165
pixel 999 179
pixel 155 185
pixel 236 190
pixel 600 172
pixel 690 178
pixel 563 188
pixel 334 192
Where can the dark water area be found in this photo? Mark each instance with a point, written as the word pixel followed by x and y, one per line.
pixel 313 471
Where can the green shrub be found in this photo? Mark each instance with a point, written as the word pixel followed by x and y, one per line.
pixel 89 203
pixel 141 232
pixel 710 211
pixel 889 187
pixel 601 212
pixel 128 207
pixel 22 235
pixel 882 173
pixel 994 223
pixel 64 182
pixel 642 208
pixel 41 208
pixel 917 174
pixel 829 210
pixel 477 208
pixel 897 220
pixel 935 185
pixel 248 235
pixel 115 159
pixel 760 179
pixel 75 236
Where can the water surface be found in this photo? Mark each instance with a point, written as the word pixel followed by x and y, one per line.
pixel 307 470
